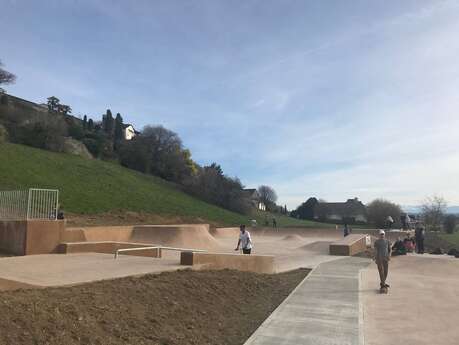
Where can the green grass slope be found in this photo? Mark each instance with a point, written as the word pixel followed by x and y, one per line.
pixel 93 186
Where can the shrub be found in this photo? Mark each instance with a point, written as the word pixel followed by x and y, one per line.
pixel 450 223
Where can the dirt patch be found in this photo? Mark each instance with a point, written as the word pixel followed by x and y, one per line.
pixel 174 308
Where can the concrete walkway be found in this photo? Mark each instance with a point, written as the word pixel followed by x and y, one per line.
pixel 323 310
pixel 421 307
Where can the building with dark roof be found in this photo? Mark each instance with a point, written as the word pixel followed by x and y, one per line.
pixel 352 211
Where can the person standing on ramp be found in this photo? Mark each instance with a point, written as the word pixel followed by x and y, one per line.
pixel 382 257
pixel 245 241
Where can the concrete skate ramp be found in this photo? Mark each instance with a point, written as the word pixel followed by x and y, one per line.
pixel 189 236
pixel 226 232
pixel 186 235
pixel 349 245
pixel 317 247
pixel 293 238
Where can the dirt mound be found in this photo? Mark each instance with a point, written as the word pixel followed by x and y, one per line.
pixel 226 232
pixel 318 246
pixel 293 238
pixel 175 308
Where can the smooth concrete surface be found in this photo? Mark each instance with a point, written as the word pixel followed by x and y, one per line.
pixel 349 245
pixel 31 236
pixel 69 269
pixel 422 306
pixel 108 247
pixel 248 263
pixel 323 310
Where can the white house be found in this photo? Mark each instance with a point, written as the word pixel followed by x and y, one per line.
pixel 129 131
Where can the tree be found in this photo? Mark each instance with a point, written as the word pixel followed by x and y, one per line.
pixel 119 137
pixel 108 123
pixel 450 223
pixel 90 126
pixel 379 209
pixel 85 122
pixel 432 211
pixel 53 104
pixel 6 77
pixel 64 109
pixel 268 196
pixel 307 209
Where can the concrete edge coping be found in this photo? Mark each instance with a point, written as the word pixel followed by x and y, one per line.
pixel 285 301
pixel 116 242
pixel 343 242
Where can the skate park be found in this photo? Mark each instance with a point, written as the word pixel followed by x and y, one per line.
pixel 338 302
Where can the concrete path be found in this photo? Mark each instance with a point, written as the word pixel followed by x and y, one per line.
pixel 323 310
pixel 421 307
pixel 67 269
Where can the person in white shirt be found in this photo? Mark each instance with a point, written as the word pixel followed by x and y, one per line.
pixel 245 241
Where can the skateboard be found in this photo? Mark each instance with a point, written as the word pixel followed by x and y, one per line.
pixel 384 290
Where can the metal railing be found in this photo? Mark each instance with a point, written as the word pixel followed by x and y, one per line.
pixel 118 251
pixel 29 204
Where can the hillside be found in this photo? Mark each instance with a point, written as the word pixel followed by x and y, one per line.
pixel 92 187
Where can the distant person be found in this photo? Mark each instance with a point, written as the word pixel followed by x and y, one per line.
pixel 274 223
pixel 419 235
pixel 346 230
pixel 382 257
pixel 409 243
pixel 245 241
pixel 60 214
pixel 398 248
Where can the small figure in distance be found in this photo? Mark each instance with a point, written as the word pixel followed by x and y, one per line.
pixel 390 222
pixel 274 223
pixel 346 230
pixel 382 258
pixel 245 241
pixel 399 247
pixel 419 234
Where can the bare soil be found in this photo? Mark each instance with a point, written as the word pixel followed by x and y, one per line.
pixel 173 308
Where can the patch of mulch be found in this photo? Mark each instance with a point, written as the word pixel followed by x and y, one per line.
pixel 172 308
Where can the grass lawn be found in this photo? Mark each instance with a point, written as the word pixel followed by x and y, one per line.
pixel 451 238
pixel 91 186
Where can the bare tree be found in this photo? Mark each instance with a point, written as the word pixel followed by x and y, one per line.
pixel 268 196
pixel 5 76
pixel 433 211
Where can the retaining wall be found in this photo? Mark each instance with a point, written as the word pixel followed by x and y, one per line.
pixel 31 237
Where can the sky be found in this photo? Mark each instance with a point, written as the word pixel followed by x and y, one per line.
pixel 332 99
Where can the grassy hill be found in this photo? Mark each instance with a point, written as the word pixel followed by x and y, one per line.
pixel 96 187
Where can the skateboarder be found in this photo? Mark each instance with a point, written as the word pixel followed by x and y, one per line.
pixel 382 257
pixel 245 241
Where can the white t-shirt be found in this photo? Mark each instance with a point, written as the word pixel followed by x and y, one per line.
pixel 246 240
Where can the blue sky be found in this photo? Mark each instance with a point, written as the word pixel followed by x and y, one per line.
pixel 333 99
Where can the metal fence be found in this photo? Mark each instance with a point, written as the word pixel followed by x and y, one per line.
pixel 29 204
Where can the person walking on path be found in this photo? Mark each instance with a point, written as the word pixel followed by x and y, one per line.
pixel 382 257
pixel 274 223
pixel 419 236
pixel 245 241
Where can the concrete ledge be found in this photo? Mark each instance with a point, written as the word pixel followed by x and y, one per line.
pixel 108 247
pixel 249 263
pixel 349 245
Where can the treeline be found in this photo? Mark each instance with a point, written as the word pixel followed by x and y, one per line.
pixel 155 150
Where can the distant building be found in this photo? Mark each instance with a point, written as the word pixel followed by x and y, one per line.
pixel 254 198
pixel 129 131
pixel 352 211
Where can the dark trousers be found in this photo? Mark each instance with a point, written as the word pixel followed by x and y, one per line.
pixel 420 245
pixel 246 251
pixel 383 268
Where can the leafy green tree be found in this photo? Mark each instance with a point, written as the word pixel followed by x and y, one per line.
pixel 64 109
pixel 380 209
pixel 119 136
pixel 53 104
pixel 108 123
pixel 90 126
pixel 307 209
pixel 6 77
pixel 85 122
